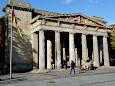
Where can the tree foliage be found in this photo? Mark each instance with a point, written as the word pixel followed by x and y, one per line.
pixel 112 37
pixel 112 48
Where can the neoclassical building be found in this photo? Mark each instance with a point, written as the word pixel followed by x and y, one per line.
pixel 69 37
pixel 55 38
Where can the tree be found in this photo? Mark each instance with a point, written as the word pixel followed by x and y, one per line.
pixel 112 47
pixel 10 1
pixel 112 37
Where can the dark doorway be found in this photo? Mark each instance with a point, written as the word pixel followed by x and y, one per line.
pixel 64 49
pixel 50 35
pixel 100 49
pixel 90 45
pixel 77 42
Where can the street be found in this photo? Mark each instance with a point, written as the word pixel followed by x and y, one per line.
pixel 99 77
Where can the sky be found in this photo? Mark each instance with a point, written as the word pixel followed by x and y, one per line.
pixel 101 8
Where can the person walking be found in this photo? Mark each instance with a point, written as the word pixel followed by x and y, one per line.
pixel 72 67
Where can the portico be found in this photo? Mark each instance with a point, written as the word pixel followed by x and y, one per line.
pixel 69 41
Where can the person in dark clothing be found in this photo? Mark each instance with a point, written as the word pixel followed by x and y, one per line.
pixel 72 67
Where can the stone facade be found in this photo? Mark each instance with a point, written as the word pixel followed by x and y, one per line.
pixel 51 39
pixel 72 28
pixel 22 50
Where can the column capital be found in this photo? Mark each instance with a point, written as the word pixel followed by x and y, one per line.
pixel 84 34
pixel 105 36
pixel 57 31
pixel 71 33
pixel 95 35
pixel 41 30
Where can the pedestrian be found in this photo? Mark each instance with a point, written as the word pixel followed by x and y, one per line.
pixel 72 67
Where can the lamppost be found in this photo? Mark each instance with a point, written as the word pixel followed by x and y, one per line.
pixel 11 38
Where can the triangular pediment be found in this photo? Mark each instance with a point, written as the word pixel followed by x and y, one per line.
pixel 79 18
pixel 87 20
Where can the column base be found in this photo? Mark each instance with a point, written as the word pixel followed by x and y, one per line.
pixel 104 67
pixel 43 71
pixel 83 62
pixel 96 65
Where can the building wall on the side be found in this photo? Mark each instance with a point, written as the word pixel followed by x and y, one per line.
pixel 22 48
pixel 23 20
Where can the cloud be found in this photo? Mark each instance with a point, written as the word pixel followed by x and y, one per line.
pixel 67 1
pixel 93 1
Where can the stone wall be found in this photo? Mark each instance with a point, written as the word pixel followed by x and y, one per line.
pixel 22 48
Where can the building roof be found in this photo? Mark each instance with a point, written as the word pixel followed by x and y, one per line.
pixel 69 22
pixel 96 20
pixel 113 26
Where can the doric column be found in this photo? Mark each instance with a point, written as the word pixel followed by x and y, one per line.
pixel 41 50
pixel 71 47
pixel 35 49
pixel 49 54
pixel 84 49
pixel 95 51
pixel 105 51
pixel 58 49
pixel 76 58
